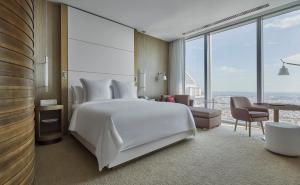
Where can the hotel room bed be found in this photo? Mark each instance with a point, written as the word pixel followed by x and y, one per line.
pixel 111 121
pixel 119 130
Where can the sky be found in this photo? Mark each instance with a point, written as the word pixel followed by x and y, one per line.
pixel 234 56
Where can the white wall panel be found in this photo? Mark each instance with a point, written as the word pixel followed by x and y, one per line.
pixel 98 49
pixel 98 45
pixel 90 28
pixel 96 58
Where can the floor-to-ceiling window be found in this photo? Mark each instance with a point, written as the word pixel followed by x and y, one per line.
pixel 281 40
pixel 233 59
pixel 233 66
pixel 194 70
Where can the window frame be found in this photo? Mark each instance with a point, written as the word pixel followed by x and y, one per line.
pixel 259 54
pixel 204 63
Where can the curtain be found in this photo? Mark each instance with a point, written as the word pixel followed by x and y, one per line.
pixel 176 67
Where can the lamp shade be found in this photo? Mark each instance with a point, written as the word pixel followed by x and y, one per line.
pixel 164 77
pixel 283 71
pixel 142 80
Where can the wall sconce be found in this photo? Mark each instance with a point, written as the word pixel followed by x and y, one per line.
pixel 44 65
pixel 161 76
pixel 45 71
pixel 142 81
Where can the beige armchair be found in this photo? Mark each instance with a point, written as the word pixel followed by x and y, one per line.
pixel 242 109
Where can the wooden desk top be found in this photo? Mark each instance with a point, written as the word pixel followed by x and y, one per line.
pixel 279 106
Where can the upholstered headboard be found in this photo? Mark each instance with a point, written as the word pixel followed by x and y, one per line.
pixel 98 49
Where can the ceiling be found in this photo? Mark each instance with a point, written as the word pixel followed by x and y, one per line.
pixel 168 19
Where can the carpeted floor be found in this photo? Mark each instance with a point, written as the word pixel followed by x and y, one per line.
pixel 216 157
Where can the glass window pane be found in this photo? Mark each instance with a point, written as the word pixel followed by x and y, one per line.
pixel 194 70
pixel 281 40
pixel 233 70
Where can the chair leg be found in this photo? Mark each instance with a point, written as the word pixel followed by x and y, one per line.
pixel 246 125
pixel 262 127
pixel 236 122
pixel 249 129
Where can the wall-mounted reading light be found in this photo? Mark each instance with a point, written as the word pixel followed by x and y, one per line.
pixel 161 76
pixel 43 66
pixel 44 69
pixel 142 81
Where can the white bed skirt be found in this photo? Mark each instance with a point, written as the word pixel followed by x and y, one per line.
pixel 135 152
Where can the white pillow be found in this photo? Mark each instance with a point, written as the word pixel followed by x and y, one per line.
pixel 124 89
pixel 95 90
pixel 78 95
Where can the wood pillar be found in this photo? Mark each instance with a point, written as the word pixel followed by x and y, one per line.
pixel 16 92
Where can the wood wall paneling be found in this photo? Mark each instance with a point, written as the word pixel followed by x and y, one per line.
pixel 151 57
pixel 64 62
pixel 47 43
pixel 16 92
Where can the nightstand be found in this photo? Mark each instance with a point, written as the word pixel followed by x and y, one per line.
pixel 49 124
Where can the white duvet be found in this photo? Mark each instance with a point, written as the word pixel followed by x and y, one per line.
pixel 112 126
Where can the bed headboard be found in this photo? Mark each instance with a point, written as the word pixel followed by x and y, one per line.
pixel 98 49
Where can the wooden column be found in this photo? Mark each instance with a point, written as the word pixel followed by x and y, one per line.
pixel 64 62
pixel 16 91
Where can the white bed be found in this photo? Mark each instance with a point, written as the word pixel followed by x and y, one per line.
pixel 119 130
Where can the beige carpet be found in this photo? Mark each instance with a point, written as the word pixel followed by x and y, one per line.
pixel 218 157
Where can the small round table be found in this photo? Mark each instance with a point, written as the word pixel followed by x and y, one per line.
pixel 283 138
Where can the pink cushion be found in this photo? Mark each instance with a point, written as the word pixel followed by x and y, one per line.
pixel 171 99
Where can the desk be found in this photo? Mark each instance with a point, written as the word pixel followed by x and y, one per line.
pixel 277 107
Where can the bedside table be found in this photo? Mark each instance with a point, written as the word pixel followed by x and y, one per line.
pixel 49 124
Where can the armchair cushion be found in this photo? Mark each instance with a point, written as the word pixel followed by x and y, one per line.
pixel 255 114
pixel 258 109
